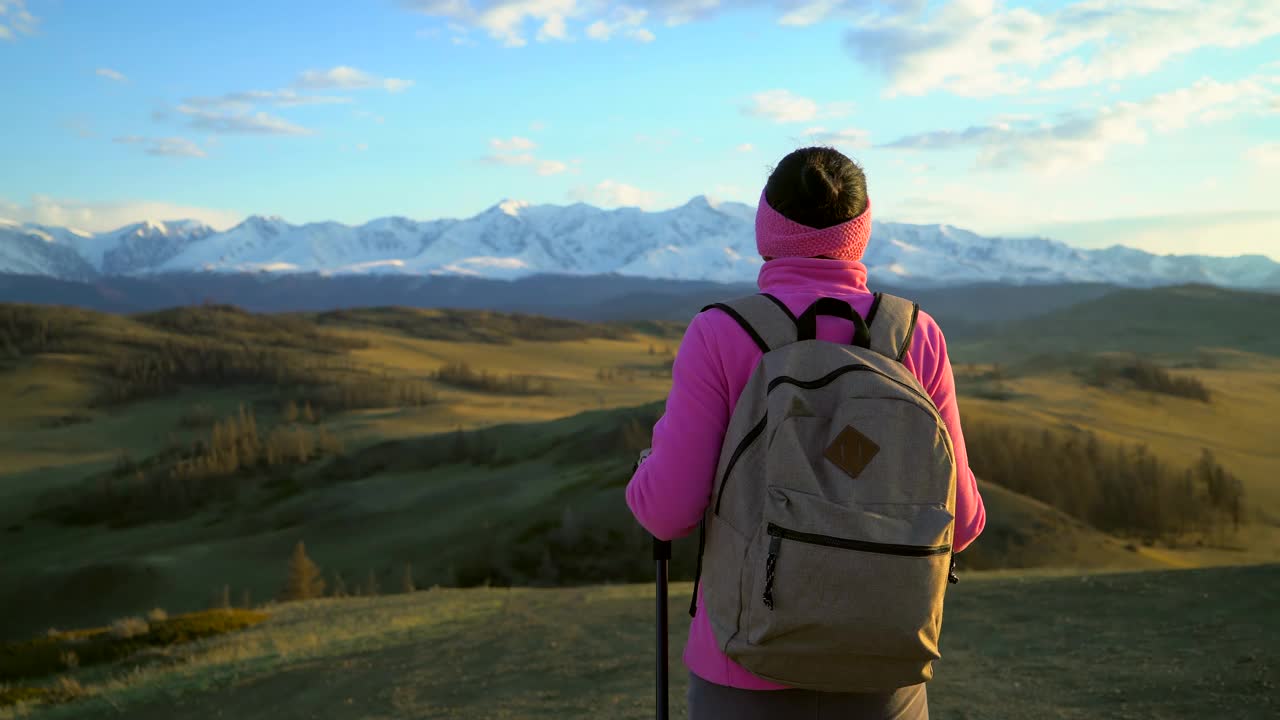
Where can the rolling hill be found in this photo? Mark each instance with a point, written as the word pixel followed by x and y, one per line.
pixel 408 487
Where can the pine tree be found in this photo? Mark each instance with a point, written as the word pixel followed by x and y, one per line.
pixel 308 415
pixel 406 583
pixel 225 601
pixel 246 601
pixel 305 580
pixel 339 586
pixel 290 412
pixel 371 585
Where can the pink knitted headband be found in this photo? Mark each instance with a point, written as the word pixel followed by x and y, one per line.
pixel 779 236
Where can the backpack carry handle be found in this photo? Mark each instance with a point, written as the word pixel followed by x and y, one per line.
pixel 807 323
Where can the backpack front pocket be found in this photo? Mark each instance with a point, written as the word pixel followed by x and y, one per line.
pixel 850 580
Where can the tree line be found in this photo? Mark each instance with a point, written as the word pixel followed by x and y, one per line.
pixel 1117 488
pixel 180 480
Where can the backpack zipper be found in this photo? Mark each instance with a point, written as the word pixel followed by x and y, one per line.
pixel 778 533
pixel 844 370
pixel 737 453
pixel 827 379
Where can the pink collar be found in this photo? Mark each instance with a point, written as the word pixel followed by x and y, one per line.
pixel 828 277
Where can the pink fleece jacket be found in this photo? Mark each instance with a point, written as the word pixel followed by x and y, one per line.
pixel 672 488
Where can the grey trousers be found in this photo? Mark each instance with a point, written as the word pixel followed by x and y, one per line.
pixel 709 701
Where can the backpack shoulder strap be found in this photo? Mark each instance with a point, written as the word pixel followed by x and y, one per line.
pixel 765 318
pixel 892 321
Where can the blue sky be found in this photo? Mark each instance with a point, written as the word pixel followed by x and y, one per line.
pixel 1153 124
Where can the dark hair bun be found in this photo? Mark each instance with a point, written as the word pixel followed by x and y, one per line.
pixel 819 188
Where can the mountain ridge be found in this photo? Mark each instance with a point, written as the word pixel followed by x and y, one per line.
pixel 703 239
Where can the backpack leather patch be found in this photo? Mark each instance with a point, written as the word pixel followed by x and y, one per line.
pixel 851 451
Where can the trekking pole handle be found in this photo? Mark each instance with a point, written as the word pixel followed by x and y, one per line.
pixel 661 549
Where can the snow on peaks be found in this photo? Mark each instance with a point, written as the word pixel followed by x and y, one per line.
pixel 513 207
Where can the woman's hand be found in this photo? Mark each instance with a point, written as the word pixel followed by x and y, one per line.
pixel 643 454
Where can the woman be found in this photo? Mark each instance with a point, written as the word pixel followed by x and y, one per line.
pixel 818 188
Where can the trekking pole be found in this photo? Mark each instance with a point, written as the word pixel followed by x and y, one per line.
pixel 661 554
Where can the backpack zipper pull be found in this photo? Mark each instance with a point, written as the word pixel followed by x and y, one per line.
pixel 769 565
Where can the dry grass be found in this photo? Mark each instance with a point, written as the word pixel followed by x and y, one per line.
pixel 1045 645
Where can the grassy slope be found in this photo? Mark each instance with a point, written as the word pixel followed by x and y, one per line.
pixel 1160 320
pixel 1080 646
pixel 1238 425
pixel 184 563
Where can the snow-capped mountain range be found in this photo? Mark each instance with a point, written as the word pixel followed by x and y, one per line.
pixel 701 240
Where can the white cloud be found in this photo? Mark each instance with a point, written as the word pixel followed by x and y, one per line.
pixel 516 151
pixel 781 106
pixel 510 159
pixel 100 217
pixel 537 126
pixel 809 12
pixel 745 148
pixel 1137 37
pixel 15 19
pixel 611 193
pixel 279 98
pixel 504 20
pixel 1265 155
pixel 110 74
pixel 370 116
pixel 1081 139
pixel 784 106
pixel 343 77
pixel 240 122
pixel 551 167
pixel 625 20
pixel 361 147
pixel 983 47
pixel 166 146
pixel 515 143
pixel 849 137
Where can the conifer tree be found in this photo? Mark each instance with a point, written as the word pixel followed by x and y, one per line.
pixel 305 580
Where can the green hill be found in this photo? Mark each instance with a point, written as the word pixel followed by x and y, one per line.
pixel 1131 646
pixel 1167 320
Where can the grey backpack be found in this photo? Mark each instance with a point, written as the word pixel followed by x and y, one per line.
pixel 828 536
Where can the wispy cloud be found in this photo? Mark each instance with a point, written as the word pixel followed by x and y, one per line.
pixel 745 148
pixel 611 193
pixel 164 147
pixel 239 122
pixel 625 21
pixel 984 47
pixel 847 138
pixel 110 74
pixel 100 217
pixel 1084 138
pixel 515 143
pixel 1134 38
pixel 505 20
pixel 343 77
pixel 518 151
pixel 511 21
pixel 278 98
pixel 1265 155
pixel 784 106
pixel 15 19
